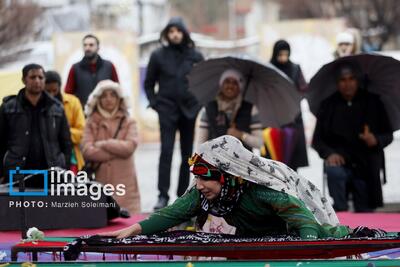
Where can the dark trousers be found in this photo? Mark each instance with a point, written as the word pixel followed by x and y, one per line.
pixel 168 127
pixel 342 181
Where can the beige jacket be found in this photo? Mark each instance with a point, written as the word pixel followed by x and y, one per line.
pixel 116 155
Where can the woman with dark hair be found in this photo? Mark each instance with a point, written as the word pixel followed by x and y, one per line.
pixel 73 112
pixel 281 59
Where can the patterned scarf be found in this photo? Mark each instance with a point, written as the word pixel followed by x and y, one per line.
pixel 228 154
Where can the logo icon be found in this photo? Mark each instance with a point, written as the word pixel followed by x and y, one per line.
pixel 23 173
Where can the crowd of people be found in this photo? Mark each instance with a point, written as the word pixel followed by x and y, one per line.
pixel 88 124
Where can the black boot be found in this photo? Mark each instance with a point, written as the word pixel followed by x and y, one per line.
pixel 161 203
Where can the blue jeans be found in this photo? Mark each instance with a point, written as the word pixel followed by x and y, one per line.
pixel 342 181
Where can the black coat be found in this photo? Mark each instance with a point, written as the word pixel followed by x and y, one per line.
pixel 169 67
pixel 339 124
pixel 299 157
pixel 293 71
pixel 86 80
pixel 15 133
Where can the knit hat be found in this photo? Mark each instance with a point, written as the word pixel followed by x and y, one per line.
pixel 232 73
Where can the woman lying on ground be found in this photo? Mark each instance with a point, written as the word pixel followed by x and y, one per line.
pixel 256 195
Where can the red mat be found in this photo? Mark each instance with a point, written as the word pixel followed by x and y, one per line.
pixel 387 221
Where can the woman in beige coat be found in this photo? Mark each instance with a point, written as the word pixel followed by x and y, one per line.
pixel 106 109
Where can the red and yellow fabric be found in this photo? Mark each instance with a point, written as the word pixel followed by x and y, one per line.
pixel 273 143
pixel 76 119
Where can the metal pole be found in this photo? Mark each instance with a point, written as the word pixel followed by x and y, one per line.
pixel 20 177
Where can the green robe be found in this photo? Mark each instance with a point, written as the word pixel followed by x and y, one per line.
pixel 260 211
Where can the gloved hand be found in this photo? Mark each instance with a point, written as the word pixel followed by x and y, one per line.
pixel 363 231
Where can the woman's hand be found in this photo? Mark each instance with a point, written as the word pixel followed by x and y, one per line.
pixel 100 143
pixel 134 229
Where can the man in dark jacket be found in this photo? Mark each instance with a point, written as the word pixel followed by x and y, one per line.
pixel 34 132
pixel 176 106
pixel 352 130
pixel 84 75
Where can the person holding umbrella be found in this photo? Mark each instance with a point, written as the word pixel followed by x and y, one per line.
pixel 230 114
pixel 234 89
pixel 352 130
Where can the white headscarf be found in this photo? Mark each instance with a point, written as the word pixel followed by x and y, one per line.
pixel 94 97
pixel 228 154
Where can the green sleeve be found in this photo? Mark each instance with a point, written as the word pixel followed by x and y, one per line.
pixel 182 210
pixel 293 211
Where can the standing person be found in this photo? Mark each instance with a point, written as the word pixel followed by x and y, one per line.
pixel 230 114
pixel 110 139
pixel 351 132
pixel 34 132
pixel 281 59
pixel 176 107
pixel 74 112
pixel 85 74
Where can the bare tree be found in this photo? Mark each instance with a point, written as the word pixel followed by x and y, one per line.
pixel 377 18
pixel 17 27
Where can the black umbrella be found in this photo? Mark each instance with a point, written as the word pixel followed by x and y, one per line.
pixel 267 87
pixel 379 74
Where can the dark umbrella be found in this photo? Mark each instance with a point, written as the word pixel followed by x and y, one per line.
pixel 267 87
pixel 379 74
